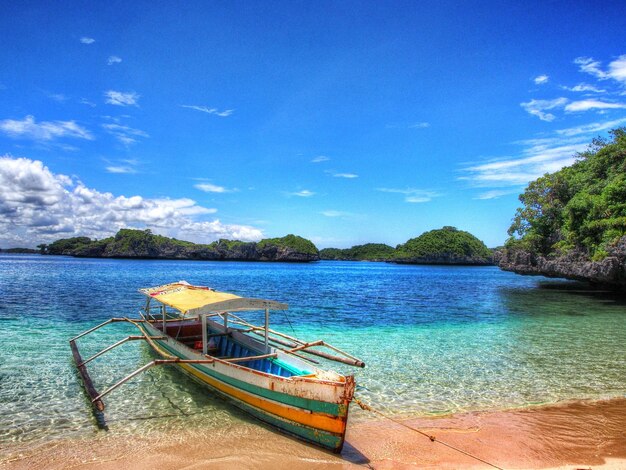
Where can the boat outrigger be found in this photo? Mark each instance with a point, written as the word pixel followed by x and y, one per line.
pixel 271 375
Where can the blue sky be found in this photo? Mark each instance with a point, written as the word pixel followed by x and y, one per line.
pixel 343 122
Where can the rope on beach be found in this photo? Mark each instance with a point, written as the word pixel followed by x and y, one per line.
pixel 366 407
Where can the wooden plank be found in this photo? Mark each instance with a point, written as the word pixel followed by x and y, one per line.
pixel 89 387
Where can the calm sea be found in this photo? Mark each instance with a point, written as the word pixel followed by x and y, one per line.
pixel 435 339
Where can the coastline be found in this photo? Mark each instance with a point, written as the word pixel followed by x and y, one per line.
pixel 573 434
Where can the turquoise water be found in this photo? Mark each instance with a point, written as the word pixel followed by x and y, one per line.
pixel 435 339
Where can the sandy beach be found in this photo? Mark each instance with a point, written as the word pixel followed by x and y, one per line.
pixel 573 435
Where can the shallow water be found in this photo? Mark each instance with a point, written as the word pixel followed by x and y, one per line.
pixel 435 339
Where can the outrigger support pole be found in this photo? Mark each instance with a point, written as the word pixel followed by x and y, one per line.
pixel 119 343
pixel 156 362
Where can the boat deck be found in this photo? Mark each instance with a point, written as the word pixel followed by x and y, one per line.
pixel 224 346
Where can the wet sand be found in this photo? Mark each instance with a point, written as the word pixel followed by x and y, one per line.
pixel 574 435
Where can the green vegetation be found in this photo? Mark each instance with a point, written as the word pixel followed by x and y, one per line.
pixel 447 242
pixel 130 243
pixel 66 245
pixel 19 250
pixel 581 207
pixel 367 252
pixel 144 241
pixel 294 242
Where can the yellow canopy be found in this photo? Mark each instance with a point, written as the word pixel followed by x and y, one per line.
pixel 190 299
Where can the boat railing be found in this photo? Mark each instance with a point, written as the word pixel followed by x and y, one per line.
pixel 281 341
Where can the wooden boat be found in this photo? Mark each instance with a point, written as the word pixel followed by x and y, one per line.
pixel 273 376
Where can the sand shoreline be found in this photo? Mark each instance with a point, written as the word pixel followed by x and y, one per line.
pixel 578 434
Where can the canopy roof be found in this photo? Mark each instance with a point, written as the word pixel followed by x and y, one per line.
pixel 190 299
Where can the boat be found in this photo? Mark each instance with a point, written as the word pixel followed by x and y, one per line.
pixel 273 376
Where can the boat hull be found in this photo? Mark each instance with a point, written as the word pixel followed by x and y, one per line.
pixel 311 409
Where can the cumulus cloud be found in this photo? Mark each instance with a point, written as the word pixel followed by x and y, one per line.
pixel 113 59
pixel 39 206
pixel 87 40
pixel 411 194
pixel 126 135
pixel 120 98
pixel 320 159
pixel 28 128
pixel 541 79
pixel 539 107
pixel 205 109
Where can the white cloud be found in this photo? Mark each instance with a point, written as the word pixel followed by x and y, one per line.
pixel 345 175
pixel 120 98
pixel 534 161
pixel 537 107
pixel 590 66
pixel 496 193
pixel 113 59
pixel 616 69
pixel 541 79
pixel 40 206
pixel 302 193
pixel 28 128
pixel 592 128
pixel 124 169
pixel 86 40
pixel 586 105
pixel 320 159
pixel 419 125
pixel 126 135
pixel 211 188
pixel 536 158
pixel 411 194
pixel 208 110
pixel 60 97
pixel 87 102
pixel 584 87
pixel 333 213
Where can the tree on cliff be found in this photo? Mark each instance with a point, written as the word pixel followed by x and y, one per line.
pixel 581 207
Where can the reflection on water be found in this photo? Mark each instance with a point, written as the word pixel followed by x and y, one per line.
pixel 435 340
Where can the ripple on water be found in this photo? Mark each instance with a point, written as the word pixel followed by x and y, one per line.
pixel 435 339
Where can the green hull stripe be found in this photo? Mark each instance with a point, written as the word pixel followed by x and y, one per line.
pixel 322 438
pixel 315 406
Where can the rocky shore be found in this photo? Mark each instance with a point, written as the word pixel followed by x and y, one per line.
pixel 610 271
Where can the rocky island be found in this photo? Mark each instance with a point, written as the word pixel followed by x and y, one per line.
pixel 572 223
pixel 129 243
pixel 446 245
pixel 367 252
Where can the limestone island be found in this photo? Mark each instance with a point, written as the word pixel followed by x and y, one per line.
pixel 572 223
pixel 446 246
pixel 143 244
